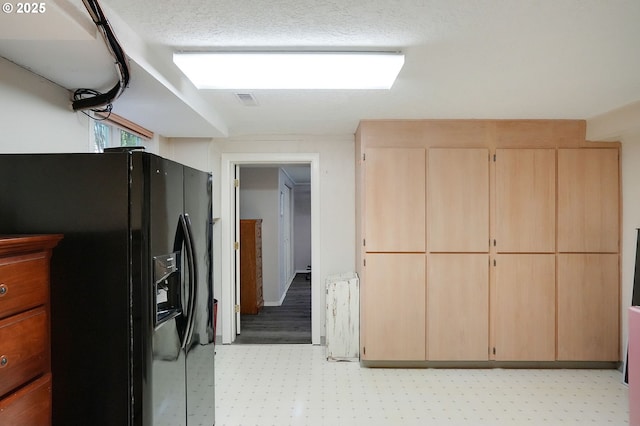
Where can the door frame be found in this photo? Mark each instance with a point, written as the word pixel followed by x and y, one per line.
pixel 235 194
pixel 227 206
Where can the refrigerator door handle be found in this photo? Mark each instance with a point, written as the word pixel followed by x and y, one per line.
pixel 191 267
pixel 193 281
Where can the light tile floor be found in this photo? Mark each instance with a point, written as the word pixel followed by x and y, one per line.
pixel 295 385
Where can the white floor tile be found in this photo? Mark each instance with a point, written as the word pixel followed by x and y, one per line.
pixel 295 385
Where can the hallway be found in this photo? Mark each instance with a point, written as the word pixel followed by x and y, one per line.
pixel 288 323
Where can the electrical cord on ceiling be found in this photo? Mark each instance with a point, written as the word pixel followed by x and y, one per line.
pixel 92 99
pixel 105 111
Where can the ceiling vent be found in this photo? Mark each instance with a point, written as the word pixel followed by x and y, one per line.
pixel 247 99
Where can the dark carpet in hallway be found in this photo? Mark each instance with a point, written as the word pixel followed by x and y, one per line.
pixel 288 323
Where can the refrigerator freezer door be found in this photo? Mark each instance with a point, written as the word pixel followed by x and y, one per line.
pixel 168 379
pixel 200 349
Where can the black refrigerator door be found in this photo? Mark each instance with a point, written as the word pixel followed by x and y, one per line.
pixel 200 348
pixel 166 239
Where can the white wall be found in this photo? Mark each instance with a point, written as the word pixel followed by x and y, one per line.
pixel 630 221
pixel 214 157
pixel 624 125
pixel 193 152
pixel 259 200
pixel 36 115
pixel 302 227
pixel 337 188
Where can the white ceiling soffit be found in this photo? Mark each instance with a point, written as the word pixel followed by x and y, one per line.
pixel 52 20
pixel 62 44
pixel 463 59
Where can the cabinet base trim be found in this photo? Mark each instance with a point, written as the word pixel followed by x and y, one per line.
pixel 492 364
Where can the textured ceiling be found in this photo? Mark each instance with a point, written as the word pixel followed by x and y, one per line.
pixel 464 58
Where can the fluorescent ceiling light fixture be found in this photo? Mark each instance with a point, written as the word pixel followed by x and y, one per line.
pixel 290 70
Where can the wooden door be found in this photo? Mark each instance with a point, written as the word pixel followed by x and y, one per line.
pixel 458 307
pixel 395 199
pixel 393 307
pixel 458 200
pixel 525 314
pixel 588 301
pixel 588 200
pixel 525 200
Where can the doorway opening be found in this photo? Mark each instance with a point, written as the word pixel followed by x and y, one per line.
pixel 230 316
pixel 275 250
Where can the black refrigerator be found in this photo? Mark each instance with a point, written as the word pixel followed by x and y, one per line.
pixel 132 307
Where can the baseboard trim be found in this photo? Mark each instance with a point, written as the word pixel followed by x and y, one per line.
pixel 279 303
pixel 493 364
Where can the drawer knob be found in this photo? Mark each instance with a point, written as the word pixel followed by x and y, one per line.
pixel 3 290
pixel 3 361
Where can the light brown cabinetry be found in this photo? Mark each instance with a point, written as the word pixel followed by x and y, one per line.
pixel 588 300
pixel 525 307
pixel 588 200
pixel 458 307
pixel 395 254
pixel 25 366
pixel 251 299
pixel 588 260
pixel 458 229
pixel 495 210
pixel 526 200
pixel 458 204
pixel 524 311
pixel 395 314
pixel 395 190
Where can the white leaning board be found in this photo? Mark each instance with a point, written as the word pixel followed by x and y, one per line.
pixel 343 317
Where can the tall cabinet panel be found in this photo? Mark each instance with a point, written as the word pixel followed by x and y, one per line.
pixel 458 307
pixel 487 240
pixel 525 200
pixel 588 200
pixel 393 307
pixel 395 199
pixel 588 299
pixel 458 200
pixel 525 311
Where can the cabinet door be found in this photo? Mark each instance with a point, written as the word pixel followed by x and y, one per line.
pixel 395 199
pixel 393 307
pixel 525 307
pixel 588 307
pixel 588 200
pixel 525 200
pixel 458 200
pixel 458 307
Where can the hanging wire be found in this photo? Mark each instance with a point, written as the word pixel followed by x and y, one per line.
pixel 93 100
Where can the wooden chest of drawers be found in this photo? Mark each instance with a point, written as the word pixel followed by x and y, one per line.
pixel 251 299
pixel 25 363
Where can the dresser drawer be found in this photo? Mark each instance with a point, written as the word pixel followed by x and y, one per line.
pixel 23 349
pixel 23 283
pixel 30 406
